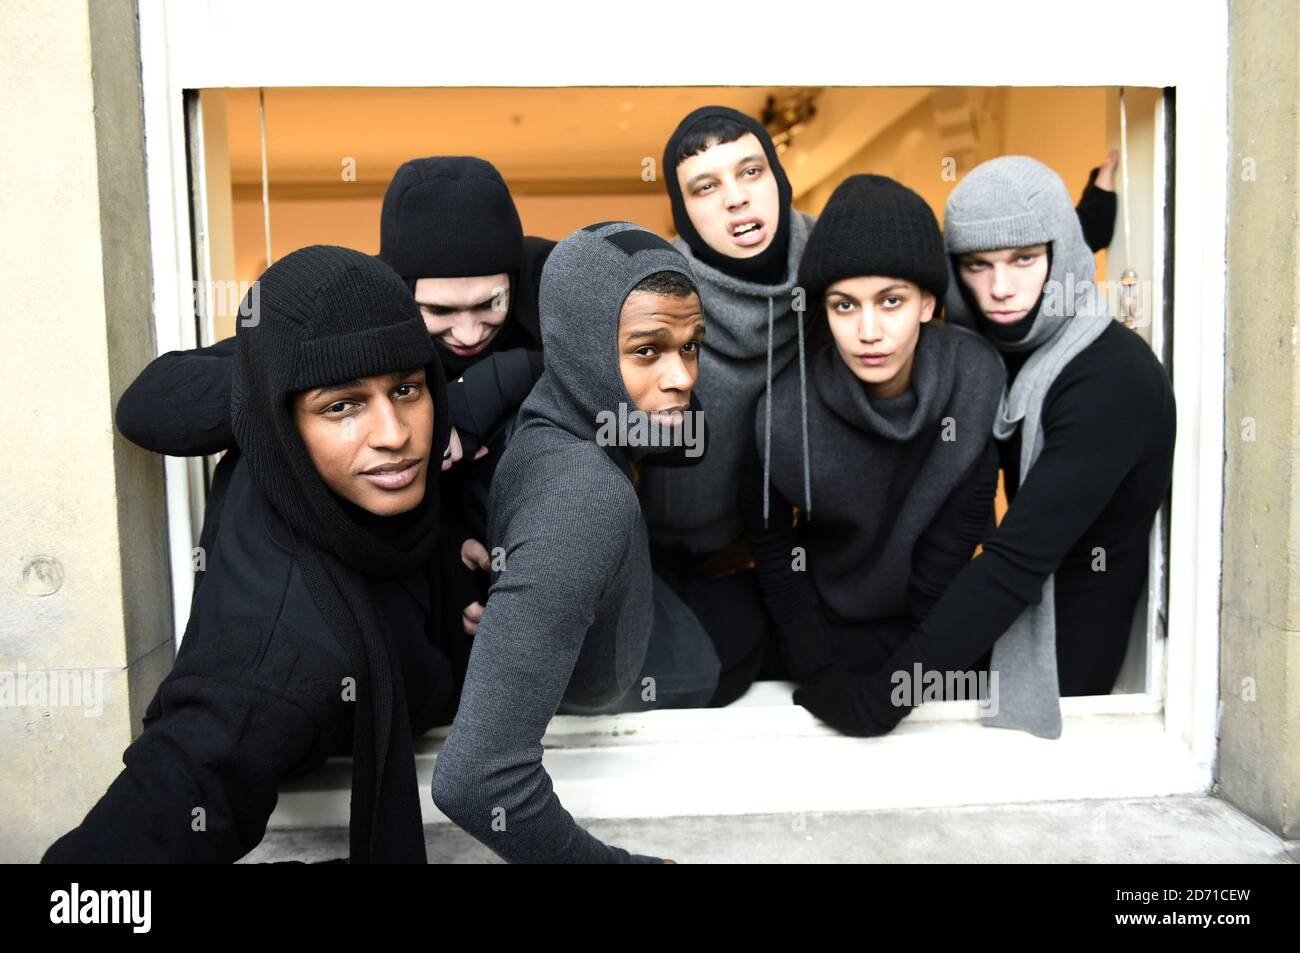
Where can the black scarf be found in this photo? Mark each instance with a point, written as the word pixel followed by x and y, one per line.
pixel 769 266
pixel 328 315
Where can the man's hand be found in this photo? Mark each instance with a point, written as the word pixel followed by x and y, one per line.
pixel 1106 175
pixel 470 617
pixel 475 555
pixel 453 453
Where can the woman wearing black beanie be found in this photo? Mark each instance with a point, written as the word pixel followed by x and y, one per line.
pixel 894 468
pixel 311 625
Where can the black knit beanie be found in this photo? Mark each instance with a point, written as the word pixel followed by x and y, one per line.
pixel 769 266
pixel 873 225
pixel 324 315
pixel 449 217
pixel 453 217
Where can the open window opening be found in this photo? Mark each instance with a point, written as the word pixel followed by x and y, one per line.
pixel 274 169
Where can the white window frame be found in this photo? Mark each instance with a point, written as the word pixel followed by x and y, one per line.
pixel 765 754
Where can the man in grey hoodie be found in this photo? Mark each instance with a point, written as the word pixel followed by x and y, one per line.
pixel 575 620
pixel 736 226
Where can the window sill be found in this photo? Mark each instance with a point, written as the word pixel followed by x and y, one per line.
pixel 765 755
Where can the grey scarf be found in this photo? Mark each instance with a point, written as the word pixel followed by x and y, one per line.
pixel 1011 202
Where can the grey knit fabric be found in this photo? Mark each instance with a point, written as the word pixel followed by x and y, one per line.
pixel 696 508
pixel 1011 202
pixel 569 614
pixel 857 445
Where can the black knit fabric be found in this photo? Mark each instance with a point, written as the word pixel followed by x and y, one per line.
pixel 873 225
pixel 448 217
pixel 329 315
pixel 767 267
pixel 453 217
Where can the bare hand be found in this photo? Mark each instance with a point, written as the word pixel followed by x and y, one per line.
pixel 471 616
pixel 474 555
pixel 454 453
pixel 1106 175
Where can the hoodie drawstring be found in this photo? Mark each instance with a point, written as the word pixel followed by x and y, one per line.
pixel 803 412
pixel 767 423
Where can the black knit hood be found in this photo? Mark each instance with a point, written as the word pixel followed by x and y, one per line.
pixel 325 315
pixel 767 267
pixel 453 217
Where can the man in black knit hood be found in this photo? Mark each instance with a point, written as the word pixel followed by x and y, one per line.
pixel 449 227
pixel 313 625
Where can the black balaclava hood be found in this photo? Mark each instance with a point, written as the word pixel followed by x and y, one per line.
pixel 767 267
pixel 453 217
pixel 325 315
pixel 585 282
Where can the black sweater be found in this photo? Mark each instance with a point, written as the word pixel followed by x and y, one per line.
pixel 255 697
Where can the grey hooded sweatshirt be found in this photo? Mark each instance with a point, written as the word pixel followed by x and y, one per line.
pixel 569 614
pixel 695 509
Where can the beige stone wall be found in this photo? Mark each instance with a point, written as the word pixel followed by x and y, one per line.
pixel 85 620
pixel 1259 730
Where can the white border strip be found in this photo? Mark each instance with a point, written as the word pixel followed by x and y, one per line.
pixel 173 304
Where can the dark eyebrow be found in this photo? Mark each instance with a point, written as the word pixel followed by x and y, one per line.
pixel 662 333
pixel 485 303
pixel 330 388
pixel 708 175
pixel 696 178
pixel 1019 249
pixel 656 333
pixel 348 385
